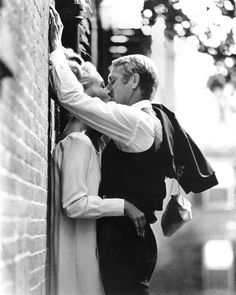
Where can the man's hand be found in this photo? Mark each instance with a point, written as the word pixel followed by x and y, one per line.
pixel 55 29
pixel 137 217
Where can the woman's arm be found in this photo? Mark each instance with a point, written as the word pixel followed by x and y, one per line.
pixel 76 200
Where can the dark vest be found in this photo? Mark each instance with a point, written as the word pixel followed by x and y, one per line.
pixel 136 177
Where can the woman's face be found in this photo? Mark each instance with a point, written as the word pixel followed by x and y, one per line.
pixel 96 88
pixel 93 83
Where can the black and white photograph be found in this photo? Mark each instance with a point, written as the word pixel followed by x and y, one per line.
pixel 118 147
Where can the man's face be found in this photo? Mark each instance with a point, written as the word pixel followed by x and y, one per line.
pixel 119 90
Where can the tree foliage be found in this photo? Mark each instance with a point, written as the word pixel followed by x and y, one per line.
pixel 211 24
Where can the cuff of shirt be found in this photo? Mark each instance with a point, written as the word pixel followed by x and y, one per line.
pixel 58 57
pixel 113 207
pixel 59 64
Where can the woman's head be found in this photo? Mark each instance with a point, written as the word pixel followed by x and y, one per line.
pixel 88 76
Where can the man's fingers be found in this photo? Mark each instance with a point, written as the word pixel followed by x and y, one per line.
pixel 52 18
pixel 53 10
pixel 51 13
pixel 56 16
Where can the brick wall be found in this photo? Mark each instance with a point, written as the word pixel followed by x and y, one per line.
pixel 25 122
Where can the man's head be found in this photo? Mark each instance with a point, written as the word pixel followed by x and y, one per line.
pixel 132 78
pixel 87 75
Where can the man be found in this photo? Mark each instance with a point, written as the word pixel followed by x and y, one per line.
pixel 130 162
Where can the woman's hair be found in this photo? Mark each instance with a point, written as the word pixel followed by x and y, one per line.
pixel 145 67
pixel 85 72
pixel 72 55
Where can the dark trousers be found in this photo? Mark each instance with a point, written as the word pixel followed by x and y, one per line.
pixel 126 261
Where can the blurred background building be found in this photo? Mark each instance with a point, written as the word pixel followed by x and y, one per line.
pixel 193 46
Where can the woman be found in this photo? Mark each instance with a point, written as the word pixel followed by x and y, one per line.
pixel 75 204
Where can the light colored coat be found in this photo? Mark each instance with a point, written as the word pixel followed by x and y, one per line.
pixel 75 204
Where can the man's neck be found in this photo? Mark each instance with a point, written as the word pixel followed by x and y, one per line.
pixel 135 97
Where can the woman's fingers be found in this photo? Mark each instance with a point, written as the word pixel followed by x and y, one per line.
pixel 137 217
pixel 140 224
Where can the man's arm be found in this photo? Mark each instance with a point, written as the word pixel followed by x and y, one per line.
pixel 128 125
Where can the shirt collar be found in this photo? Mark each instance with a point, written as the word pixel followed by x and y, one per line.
pixel 146 103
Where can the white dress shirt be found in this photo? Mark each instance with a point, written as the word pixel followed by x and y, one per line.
pixel 132 129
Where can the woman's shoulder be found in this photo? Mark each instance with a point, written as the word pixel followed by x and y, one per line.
pixel 74 139
pixel 77 138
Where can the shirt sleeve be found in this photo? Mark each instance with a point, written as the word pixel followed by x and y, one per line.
pixel 76 202
pixel 125 124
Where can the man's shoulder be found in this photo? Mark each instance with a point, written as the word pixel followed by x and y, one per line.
pixel 160 108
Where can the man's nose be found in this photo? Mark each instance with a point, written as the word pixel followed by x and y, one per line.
pixel 108 90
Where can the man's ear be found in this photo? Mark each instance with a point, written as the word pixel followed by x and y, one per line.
pixel 135 80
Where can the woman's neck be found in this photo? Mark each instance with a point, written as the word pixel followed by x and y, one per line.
pixel 74 125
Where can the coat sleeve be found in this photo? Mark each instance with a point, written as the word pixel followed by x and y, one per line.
pixel 182 156
pixel 75 198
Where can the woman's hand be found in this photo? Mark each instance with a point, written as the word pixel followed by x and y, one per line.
pixel 55 29
pixel 137 217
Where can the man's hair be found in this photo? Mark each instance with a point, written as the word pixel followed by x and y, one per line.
pixel 145 67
